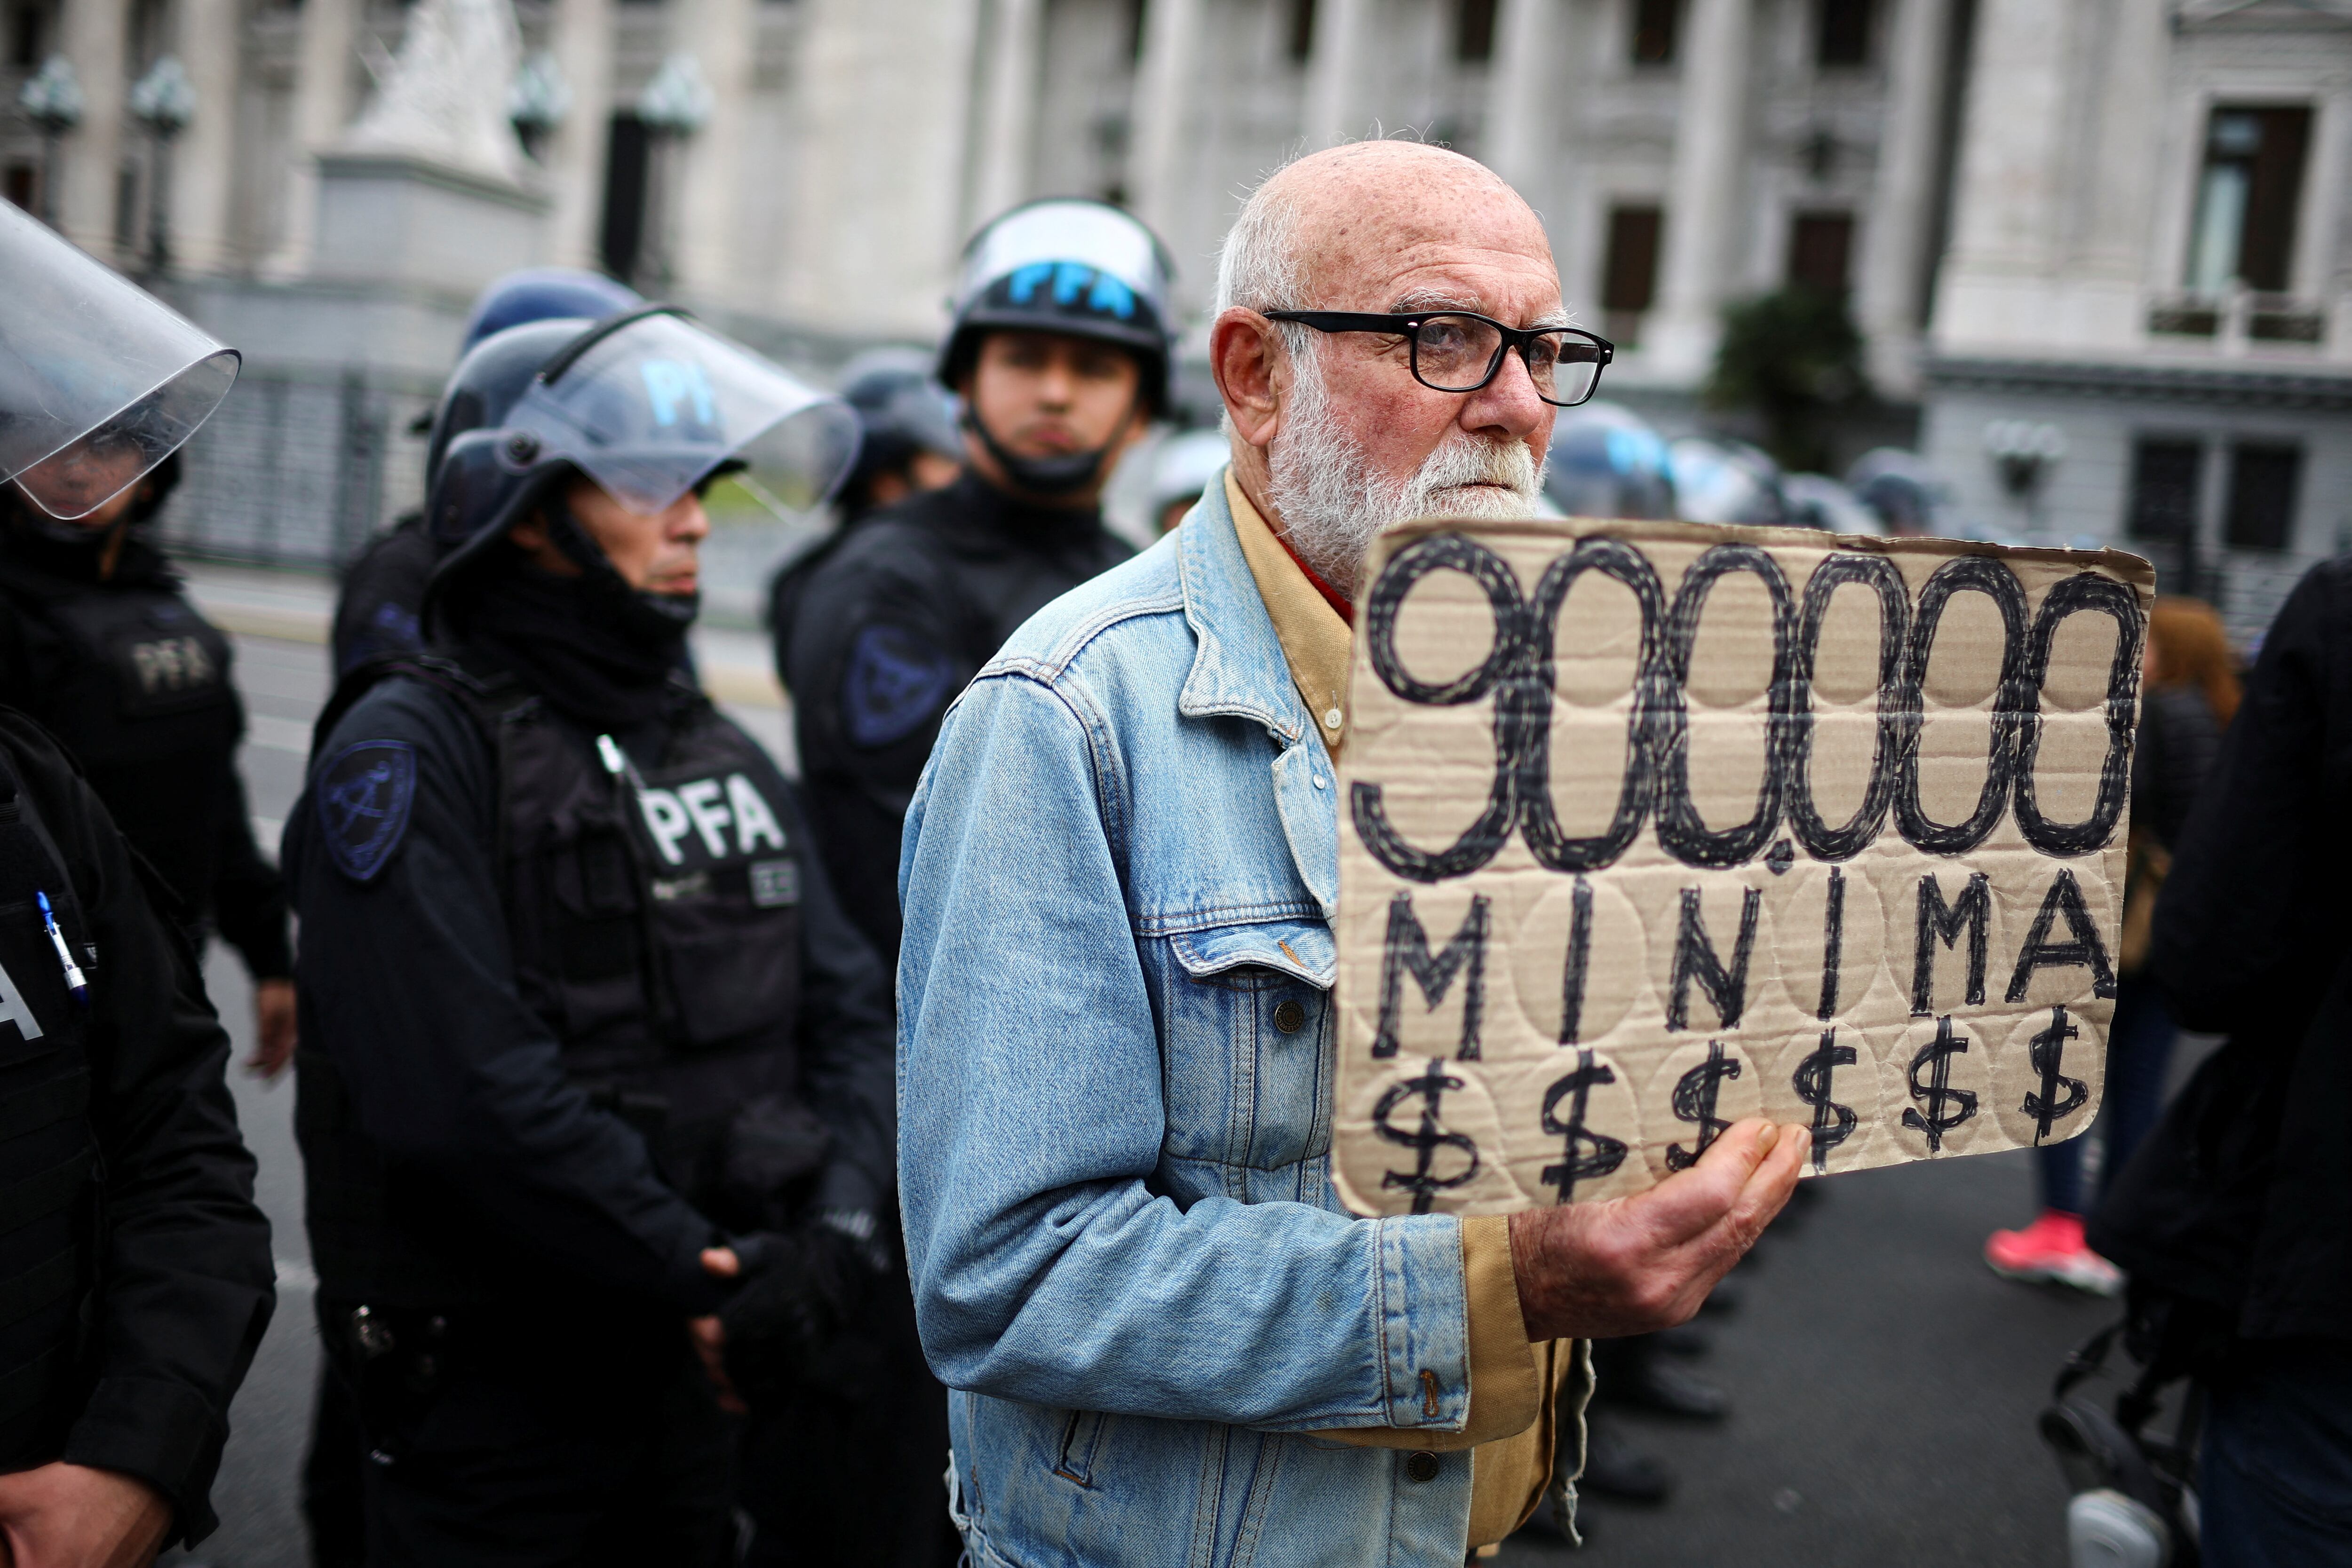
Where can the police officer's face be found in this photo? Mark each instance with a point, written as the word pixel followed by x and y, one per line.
pixel 1042 394
pixel 659 554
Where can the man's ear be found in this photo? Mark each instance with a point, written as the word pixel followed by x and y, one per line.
pixel 1242 356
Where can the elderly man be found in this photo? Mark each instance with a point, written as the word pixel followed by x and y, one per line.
pixel 1167 1340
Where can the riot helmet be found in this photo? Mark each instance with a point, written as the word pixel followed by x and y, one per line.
pixel 544 294
pixel 648 405
pixel 1905 492
pixel 1607 462
pixel 99 382
pixel 1725 482
pixel 1183 469
pixel 901 411
pixel 1078 268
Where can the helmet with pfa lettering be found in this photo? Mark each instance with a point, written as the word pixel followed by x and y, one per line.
pixel 100 380
pixel 649 404
pixel 1067 264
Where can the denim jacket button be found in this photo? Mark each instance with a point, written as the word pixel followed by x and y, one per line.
pixel 1420 1466
pixel 1289 1015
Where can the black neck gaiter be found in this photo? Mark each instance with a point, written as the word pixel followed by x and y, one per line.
pixel 573 642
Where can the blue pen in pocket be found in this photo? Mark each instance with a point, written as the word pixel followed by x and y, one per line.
pixel 74 981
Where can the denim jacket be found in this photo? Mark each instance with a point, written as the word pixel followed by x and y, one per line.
pixel 1115 1056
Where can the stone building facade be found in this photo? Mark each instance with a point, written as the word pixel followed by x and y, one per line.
pixel 2123 220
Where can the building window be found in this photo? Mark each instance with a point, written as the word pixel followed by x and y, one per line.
pixel 2262 483
pixel 1821 250
pixel 1629 271
pixel 1844 36
pixel 1302 31
pixel 1656 22
pixel 628 161
pixel 2246 200
pixel 23 186
pixel 2166 478
pixel 1134 30
pixel 1474 32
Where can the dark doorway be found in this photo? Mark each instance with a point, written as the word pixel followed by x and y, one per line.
pixel 628 160
pixel 1628 271
pixel 1844 36
pixel 1656 23
pixel 1821 252
pixel 1474 32
pixel 24 186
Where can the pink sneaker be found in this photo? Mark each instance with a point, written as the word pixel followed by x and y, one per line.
pixel 2051 1250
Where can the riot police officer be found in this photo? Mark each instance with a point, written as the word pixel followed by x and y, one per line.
pixel 99 641
pixel 382 596
pixel 580 1011
pixel 134 1269
pixel 1060 353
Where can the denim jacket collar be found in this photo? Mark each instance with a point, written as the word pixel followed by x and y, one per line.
pixel 1239 670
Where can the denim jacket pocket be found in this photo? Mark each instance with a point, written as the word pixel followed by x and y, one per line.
pixel 1081 1438
pixel 1246 1088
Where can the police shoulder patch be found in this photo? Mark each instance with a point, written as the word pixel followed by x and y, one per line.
pixel 364 795
pixel 894 682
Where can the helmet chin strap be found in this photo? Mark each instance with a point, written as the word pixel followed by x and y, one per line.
pixel 1062 476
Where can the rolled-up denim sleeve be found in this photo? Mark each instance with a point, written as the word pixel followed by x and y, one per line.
pixel 1045 1268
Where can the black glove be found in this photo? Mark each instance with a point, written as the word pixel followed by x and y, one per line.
pixel 791 1325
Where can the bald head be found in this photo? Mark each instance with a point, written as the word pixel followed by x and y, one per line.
pixel 1336 229
pixel 1333 435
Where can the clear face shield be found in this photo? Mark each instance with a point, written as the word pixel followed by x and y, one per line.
pixel 99 382
pixel 653 405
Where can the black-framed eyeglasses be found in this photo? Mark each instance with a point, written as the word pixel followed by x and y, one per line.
pixel 1461 350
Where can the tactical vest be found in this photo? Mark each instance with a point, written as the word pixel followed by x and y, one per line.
pixel 655 923
pixel 49 1166
pixel 137 686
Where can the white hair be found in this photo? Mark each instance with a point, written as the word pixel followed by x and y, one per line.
pixel 1257 267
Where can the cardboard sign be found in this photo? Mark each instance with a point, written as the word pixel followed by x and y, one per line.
pixel 1648 827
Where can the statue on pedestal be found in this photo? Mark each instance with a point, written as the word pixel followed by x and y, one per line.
pixel 445 98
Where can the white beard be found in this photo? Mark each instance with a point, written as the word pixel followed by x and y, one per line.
pixel 1333 504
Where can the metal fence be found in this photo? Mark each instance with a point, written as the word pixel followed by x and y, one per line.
pixel 299 467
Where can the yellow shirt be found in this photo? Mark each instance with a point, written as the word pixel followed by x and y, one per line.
pixel 1513 1428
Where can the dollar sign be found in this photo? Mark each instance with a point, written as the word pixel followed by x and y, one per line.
pixel 1695 1094
pixel 1607 1153
pixel 2048 1050
pixel 1937 1056
pixel 1812 1084
pixel 1427 1139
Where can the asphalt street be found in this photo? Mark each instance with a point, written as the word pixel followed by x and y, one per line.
pixel 1884 1382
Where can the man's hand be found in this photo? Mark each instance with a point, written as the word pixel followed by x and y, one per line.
pixel 273 1027
pixel 709 1335
pixel 1597 1270
pixel 70 1516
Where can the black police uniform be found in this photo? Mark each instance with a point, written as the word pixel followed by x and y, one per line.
pixel 123 669
pixel 135 1274
pixel 887 631
pixel 378 612
pixel 576 1004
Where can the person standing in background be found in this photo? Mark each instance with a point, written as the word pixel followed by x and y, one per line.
pixel 2190 694
pixel 99 641
pixel 1060 354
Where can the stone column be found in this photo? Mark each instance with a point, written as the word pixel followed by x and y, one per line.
pixel 1168 85
pixel 580 37
pixel 1526 84
pixel 883 97
pixel 322 108
pixel 1335 72
pixel 1704 205
pixel 1901 220
pixel 204 159
pixel 1009 120
pixel 723 37
pixel 94 39
pixel 1994 286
